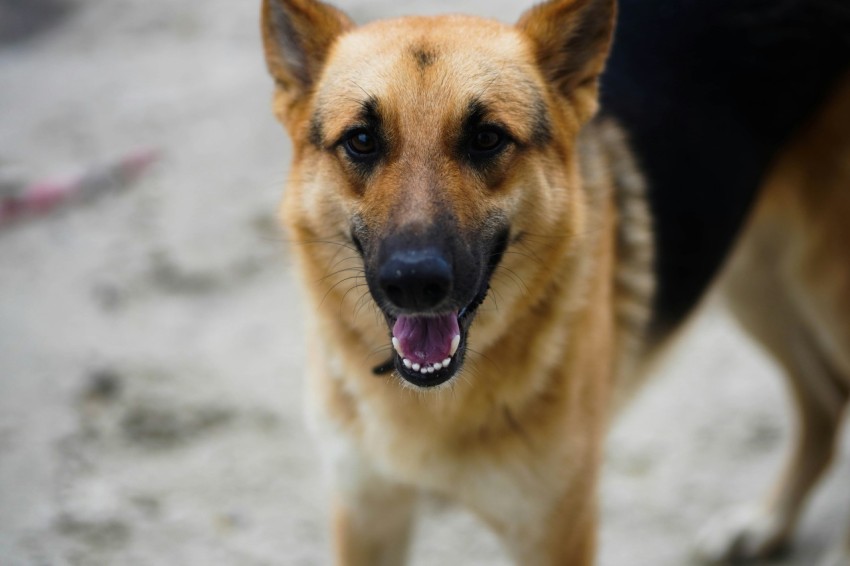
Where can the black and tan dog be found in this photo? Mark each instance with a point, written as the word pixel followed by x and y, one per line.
pixel 460 213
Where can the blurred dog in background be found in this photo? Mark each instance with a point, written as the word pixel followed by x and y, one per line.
pixel 515 256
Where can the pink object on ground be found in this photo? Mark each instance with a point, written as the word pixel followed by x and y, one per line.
pixel 43 196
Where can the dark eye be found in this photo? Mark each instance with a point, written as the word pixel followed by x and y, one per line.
pixel 361 144
pixel 486 142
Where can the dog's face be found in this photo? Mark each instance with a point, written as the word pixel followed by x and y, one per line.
pixel 433 145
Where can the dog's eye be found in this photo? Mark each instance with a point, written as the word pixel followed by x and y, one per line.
pixel 361 144
pixel 486 142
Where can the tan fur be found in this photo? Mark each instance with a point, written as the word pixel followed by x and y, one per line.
pixel 789 285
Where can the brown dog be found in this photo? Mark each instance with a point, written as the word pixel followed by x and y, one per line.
pixel 458 213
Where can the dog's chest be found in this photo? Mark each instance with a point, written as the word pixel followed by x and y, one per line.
pixel 494 476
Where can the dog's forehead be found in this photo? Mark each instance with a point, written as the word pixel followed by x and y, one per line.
pixel 430 66
pixel 445 35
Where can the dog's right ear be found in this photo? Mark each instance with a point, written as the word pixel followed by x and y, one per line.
pixel 572 39
pixel 297 35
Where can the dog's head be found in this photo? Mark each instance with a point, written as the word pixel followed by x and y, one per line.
pixel 432 146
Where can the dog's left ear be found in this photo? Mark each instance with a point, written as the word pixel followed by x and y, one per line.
pixel 297 36
pixel 572 39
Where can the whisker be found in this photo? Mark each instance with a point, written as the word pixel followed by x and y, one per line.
pixel 326 242
pixel 342 301
pixel 525 255
pixel 358 306
pixel 481 356
pixel 523 288
pixel 495 299
pixel 332 261
pixel 347 269
pixel 334 286
pixel 377 351
pixel 343 260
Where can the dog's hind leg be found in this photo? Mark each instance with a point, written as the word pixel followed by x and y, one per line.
pixel 763 530
pixel 789 285
pixel 761 305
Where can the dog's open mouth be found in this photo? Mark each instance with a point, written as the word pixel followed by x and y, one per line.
pixel 426 344
pixel 429 349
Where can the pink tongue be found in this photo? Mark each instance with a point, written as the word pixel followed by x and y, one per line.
pixel 426 340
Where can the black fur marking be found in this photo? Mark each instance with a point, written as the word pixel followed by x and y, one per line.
pixel 475 113
pixel 541 132
pixel 359 234
pixel 709 92
pixel 369 112
pixel 500 244
pixel 497 252
pixel 424 57
pixel 316 136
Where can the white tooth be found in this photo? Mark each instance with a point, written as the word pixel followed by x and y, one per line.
pixel 415 367
pixel 446 362
pixel 455 344
pixel 397 346
pixel 407 363
pixel 431 369
pixel 438 365
pixel 424 370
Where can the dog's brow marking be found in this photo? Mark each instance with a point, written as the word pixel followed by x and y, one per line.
pixel 315 133
pixel 369 112
pixel 474 114
pixel 541 133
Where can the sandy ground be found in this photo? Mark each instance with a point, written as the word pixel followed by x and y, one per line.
pixel 150 342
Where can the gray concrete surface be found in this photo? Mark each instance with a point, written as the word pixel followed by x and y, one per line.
pixel 150 342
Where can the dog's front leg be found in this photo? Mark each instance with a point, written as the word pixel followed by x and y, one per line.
pixel 372 525
pixel 371 515
pixel 544 513
pixel 565 538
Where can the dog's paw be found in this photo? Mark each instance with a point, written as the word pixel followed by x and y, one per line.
pixel 838 557
pixel 740 536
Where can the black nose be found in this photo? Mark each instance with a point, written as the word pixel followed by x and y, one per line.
pixel 416 279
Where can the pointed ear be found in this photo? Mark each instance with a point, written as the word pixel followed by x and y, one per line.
pixel 572 39
pixel 297 35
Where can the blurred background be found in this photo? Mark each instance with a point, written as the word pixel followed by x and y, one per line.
pixel 150 333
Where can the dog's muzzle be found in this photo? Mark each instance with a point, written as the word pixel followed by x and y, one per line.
pixel 429 294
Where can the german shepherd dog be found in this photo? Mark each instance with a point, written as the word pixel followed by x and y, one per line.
pixel 524 255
